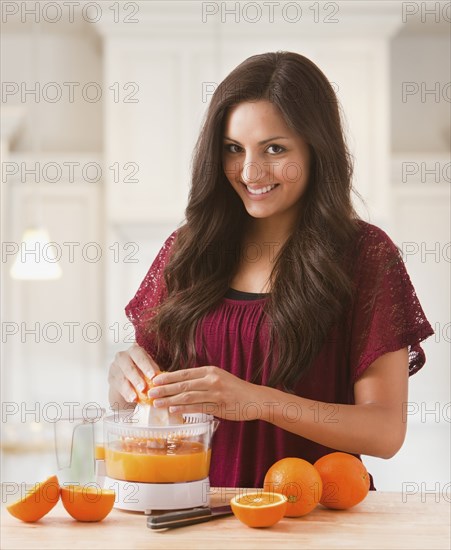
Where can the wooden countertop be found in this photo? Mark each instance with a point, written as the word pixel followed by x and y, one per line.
pixel 381 521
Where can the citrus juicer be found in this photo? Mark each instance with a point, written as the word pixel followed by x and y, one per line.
pixel 154 463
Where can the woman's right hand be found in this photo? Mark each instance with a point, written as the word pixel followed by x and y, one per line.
pixel 127 372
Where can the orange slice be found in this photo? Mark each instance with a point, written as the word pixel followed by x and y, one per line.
pixel 37 502
pixel 87 503
pixel 260 509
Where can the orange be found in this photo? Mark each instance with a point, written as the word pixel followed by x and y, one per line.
pixel 299 481
pixel 37 502
pixel 87 503
pixel 142 396
pixel 345 480
pixel 259 509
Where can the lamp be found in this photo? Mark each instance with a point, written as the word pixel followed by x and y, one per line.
pixel 37 258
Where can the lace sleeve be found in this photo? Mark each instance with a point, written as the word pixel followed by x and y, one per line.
pixel 387 314
pixel 150 294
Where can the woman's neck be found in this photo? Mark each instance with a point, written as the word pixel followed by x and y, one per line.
pixel 267 230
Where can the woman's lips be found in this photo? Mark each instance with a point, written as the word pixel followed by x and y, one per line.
pixel 260 196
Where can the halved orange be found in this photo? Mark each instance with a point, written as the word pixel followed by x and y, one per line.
pixel 87 503
pixel 142 396
pixel 37 502
pixel 259 509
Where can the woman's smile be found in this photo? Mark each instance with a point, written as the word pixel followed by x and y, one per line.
pixel 260 193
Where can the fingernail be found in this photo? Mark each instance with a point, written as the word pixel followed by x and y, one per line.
pixel 158 402
pixel 140 385
pixel 154 392
pixel 174 408
pixel 158 379
pixel 131 397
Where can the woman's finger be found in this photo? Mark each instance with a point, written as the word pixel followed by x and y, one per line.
pixel 181 375
pixel 143 361
pixel 190 398
pixel 176 388
pixel 128 370
pixel 121 383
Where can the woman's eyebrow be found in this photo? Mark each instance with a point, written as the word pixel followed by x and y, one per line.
pixel 260 142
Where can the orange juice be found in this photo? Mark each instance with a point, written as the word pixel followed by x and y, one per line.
pixel 99 452
pixel 157 461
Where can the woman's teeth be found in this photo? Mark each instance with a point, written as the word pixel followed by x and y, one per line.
pixel 261 190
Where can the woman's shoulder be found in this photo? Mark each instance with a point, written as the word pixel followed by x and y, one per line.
pixel 371 233
pixel 373 251
pixel 172 237
pixel 169 242
pixel 372 240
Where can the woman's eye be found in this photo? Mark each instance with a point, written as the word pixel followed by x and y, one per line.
pixel 280 149
pixel 233 148
pixel 228 148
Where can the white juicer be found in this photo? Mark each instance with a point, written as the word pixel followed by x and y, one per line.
pixel 159 467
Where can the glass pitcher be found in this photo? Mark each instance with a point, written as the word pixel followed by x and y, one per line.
pixel 78 437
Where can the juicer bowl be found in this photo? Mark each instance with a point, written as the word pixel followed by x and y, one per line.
pixel 158 454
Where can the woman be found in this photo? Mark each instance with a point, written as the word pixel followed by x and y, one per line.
pixel 274 307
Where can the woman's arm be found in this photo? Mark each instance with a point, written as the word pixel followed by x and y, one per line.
pixel 375 425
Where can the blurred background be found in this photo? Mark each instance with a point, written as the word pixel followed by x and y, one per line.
pixel 101 107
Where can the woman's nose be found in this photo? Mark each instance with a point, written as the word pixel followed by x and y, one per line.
pixel 252 171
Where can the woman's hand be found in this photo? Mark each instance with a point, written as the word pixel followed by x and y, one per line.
pixel 209 390
pixel 127 372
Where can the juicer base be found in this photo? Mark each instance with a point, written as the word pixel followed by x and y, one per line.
pixel 146 497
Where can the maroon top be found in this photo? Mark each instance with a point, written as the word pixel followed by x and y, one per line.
pixel 385 316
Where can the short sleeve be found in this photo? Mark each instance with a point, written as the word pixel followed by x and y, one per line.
pixel 150 294
pixel 387 315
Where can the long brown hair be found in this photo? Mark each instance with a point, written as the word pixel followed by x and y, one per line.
pixel 310 284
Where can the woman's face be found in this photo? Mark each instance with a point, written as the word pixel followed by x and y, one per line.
pixel 265 161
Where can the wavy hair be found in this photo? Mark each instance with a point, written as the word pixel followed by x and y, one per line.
pixel 310 283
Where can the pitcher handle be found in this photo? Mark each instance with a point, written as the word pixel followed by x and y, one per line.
pixel 64 456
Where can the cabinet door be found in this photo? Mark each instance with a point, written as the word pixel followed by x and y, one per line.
pixel 149 142
pixel 54 338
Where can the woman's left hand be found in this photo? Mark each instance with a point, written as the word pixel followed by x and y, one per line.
pixel 209 390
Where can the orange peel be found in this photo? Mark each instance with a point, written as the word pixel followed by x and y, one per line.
pixel 142 395
pixel 87 503
pixel 37 502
